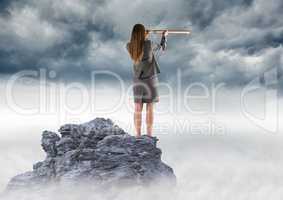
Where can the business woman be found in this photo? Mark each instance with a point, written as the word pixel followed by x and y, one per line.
pixel 145 69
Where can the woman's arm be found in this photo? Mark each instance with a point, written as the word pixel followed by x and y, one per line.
pixel 156 47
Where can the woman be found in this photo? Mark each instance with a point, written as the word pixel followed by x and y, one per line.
pixel 145 69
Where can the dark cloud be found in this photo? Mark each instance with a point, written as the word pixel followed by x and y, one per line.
pixel 233 41
pixel 201 12
pixel 4 5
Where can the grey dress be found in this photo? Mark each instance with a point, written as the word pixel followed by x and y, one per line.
pixel 145 77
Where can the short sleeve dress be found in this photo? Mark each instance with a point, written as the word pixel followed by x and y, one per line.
pixel 145 79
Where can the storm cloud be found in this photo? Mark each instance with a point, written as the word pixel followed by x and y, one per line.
pixel 232 41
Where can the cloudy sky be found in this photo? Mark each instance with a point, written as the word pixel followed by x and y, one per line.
pixel 233 41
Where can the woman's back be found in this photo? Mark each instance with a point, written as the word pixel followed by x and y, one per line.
pixel 148 65
pixel 147 51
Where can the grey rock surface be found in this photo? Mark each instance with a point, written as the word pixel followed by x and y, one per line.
pixel 97 151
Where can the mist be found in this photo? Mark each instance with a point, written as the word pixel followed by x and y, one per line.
pixel 216 151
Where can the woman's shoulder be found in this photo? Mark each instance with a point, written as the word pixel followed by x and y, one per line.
pixel 147 41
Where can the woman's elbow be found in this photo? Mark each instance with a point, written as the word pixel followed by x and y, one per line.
pixel 164 47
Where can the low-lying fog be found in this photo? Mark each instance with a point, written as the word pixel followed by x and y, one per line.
pixel 223 153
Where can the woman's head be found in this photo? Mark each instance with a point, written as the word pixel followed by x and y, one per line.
pixel 136 43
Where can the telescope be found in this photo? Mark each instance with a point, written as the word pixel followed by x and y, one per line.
pixel 170 31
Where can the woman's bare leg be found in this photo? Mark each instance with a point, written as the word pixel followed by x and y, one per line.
pixel 149 118
pixel 138 118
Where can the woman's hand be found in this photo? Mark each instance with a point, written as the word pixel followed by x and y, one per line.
pixel 165 33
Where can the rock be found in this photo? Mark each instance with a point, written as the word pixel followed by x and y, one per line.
pixel 97 151
pixel 66 144
pixel 48 143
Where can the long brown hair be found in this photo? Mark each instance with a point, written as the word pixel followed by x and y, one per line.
pixel 136 44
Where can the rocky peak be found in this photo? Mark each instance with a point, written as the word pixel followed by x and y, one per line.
pixel 97 151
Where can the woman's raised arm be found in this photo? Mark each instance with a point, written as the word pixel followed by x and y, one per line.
pixel 156 47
